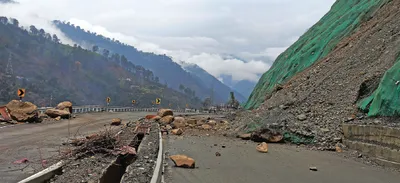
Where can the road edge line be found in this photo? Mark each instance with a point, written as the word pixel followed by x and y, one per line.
pixel 158 173
pixel 44 174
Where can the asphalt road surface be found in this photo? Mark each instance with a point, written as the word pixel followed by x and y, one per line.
pixel 240 162
pixel 41 143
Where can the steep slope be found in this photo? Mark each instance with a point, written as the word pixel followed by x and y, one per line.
pixel 219 88
pixel 162 66
pixel 48 69
pixel 341 21
pixel 362 69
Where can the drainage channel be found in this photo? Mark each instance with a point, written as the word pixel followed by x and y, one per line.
pixel 116 170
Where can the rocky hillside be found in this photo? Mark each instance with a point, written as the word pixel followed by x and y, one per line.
pixel 168 71
pixel 344 69
pixel 52 72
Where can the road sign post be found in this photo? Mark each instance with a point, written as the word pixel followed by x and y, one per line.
pixel 21 93
pixel 108 100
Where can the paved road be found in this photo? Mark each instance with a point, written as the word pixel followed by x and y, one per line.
pixel 240 163
pixel 42 141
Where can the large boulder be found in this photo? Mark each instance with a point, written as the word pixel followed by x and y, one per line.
pixel 54 113
pixel 66 105
pixel 183 161
pixel 166 120
pixel 267 135
pixel 179 122
pixel 22 111
pixel 165 112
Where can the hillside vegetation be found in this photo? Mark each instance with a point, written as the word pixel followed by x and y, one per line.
pixel 169 72
pixel 54 72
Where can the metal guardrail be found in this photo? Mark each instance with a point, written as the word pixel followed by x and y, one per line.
pixel 94 109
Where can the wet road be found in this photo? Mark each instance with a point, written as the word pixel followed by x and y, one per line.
pixel 38 142
pixel 240 162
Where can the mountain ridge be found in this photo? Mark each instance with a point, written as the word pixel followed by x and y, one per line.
pixel 169 72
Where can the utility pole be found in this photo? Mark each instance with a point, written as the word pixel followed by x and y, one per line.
pixel 9 68
pixel 51 100
pixel 212 94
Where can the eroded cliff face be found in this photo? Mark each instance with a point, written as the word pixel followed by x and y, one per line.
pixel 330 84
pixel 344 18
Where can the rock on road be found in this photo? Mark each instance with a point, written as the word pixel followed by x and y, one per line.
pixel 38 142
pixel 240 162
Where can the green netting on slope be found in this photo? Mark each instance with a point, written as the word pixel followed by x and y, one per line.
pixel 385 101
pixel 343 18
pixel 297 139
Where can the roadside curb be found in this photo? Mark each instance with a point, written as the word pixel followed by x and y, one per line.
pixel 158 170
pixel 44 175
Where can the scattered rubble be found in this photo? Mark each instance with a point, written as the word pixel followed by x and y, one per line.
pixel 179 122
pixel 263 147
pixel 183 161
pixel 177 131
pixel 206 127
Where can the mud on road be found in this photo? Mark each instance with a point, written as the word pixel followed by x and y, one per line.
pixel 41 143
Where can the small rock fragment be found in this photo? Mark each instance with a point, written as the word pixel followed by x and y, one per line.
pixel 338 149
pixel 217 154
pixel 245 136
pixel 302 117
pixel 313 168
pixel 183 161
pixel 116 121
pixel 206 127
pixel 263 147
pixel 177 131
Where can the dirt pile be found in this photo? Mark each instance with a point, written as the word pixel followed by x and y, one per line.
pixel 311 106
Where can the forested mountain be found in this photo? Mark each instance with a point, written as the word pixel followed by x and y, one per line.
pixel 169 72
pixel 53 72
pixel 218 86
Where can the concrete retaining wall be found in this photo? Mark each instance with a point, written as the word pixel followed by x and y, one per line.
pixel 380 134
pixel 382 143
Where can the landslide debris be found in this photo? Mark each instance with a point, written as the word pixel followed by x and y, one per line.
pixel 348 48
pixel 22 111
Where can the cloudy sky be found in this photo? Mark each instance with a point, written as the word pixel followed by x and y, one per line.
pixel 240 38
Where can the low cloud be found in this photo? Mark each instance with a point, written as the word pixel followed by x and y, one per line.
pixel 203 32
